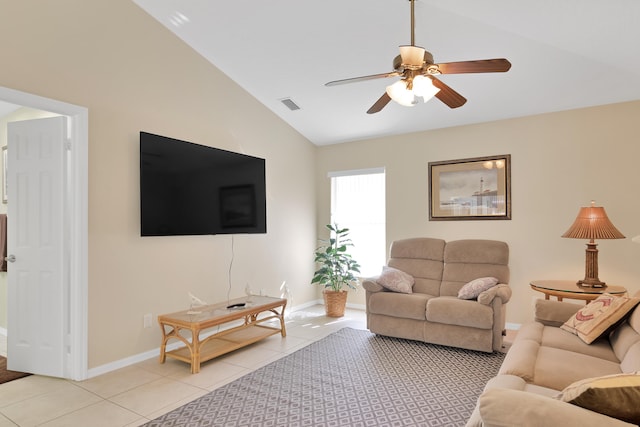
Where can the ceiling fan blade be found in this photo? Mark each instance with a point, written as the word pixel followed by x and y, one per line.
pixel 499 65
pixel 447 95
pixel 363 78
pixel 379 104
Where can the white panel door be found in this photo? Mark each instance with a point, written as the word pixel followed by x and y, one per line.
pixel 37 300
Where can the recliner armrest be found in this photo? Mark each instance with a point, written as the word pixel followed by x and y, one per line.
pixel 370 284
pixel 501 291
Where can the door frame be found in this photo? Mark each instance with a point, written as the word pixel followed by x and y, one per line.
pixel 75 357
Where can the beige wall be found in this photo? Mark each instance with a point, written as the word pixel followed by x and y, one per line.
pixel 132 74
pixel 560 161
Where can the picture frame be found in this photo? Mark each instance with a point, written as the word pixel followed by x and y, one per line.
pixel 476 188
pixel 4 174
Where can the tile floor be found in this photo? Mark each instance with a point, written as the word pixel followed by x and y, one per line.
pixel 136 394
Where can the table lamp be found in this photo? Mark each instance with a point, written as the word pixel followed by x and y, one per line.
pixel 592 223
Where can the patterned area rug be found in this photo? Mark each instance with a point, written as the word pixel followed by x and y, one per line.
pixel 350 378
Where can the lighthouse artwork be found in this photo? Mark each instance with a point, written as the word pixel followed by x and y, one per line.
pixel 470 189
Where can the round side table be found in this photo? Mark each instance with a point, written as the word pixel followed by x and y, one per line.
pixel 570 289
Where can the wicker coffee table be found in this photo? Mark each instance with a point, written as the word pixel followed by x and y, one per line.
pixel 252 328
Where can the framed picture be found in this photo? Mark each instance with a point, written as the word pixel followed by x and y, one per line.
pixel 470 189
pixel 4 174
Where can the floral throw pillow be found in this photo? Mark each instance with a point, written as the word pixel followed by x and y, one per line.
pixel 396 280
pixel 595 318
pixel 475 287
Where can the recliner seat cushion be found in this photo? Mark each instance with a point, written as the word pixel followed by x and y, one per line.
pixel 408 306
pixel 454 311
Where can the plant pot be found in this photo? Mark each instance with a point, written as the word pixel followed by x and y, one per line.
pixel 334 302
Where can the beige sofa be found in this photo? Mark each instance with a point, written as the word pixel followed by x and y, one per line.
pixel 432 312
pixel 544 359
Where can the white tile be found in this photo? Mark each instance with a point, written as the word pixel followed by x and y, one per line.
pixel 155 395
pixel 119 381
pixel 139 422
pixel 27 388
pixel 169 367
pixel 251 357
pixel 48 406
pixel 101 414
pixel 212 374
pixel 176 405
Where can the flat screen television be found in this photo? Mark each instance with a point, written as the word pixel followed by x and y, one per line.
pixel 192 189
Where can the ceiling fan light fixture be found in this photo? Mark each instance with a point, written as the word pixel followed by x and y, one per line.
pixel 412 56
pixel 400 94
pixel 423 87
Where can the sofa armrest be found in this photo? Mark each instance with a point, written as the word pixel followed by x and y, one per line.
pixel 501 291
pixel 554 313
pixel 503 407
pixel 370 284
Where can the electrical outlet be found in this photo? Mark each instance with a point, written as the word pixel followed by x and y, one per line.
pixel 147 320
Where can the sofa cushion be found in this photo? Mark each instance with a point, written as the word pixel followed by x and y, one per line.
pixel 408 306
pixel 422 258
pixel 396 280
pixel 556 368
pixel 549 336
pixel 557 338
pixel 505 407
pixel 466 260
pixel 454 311
pixel 626 335
pixel 598 316
pixel 472 289
pixel 631 361
pixel 614 395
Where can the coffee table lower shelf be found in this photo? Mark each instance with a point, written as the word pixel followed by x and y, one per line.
pixel 222 343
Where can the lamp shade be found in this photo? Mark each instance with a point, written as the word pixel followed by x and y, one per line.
pixel 592 223
pixel 423 87
pixel 400 94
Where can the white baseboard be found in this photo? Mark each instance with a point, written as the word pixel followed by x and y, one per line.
pixel 321 302
pixel 513 326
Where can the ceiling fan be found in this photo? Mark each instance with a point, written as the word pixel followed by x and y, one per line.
pixel 416 67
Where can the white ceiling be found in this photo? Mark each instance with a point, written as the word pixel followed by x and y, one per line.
pixel 565 54
pixel 7 108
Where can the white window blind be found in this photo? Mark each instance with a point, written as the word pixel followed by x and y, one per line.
pixel 358 203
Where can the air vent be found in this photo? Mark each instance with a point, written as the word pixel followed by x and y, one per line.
pixel 288 102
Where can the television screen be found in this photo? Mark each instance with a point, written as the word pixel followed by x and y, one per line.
pixel 192 189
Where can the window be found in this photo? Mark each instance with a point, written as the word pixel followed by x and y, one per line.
pixel 358 203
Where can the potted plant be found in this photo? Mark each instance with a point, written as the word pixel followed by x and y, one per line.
pixel 336 270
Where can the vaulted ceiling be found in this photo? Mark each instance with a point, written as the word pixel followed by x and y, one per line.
pixel 565 54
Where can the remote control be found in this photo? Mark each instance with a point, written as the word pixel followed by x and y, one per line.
pixel 238 305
